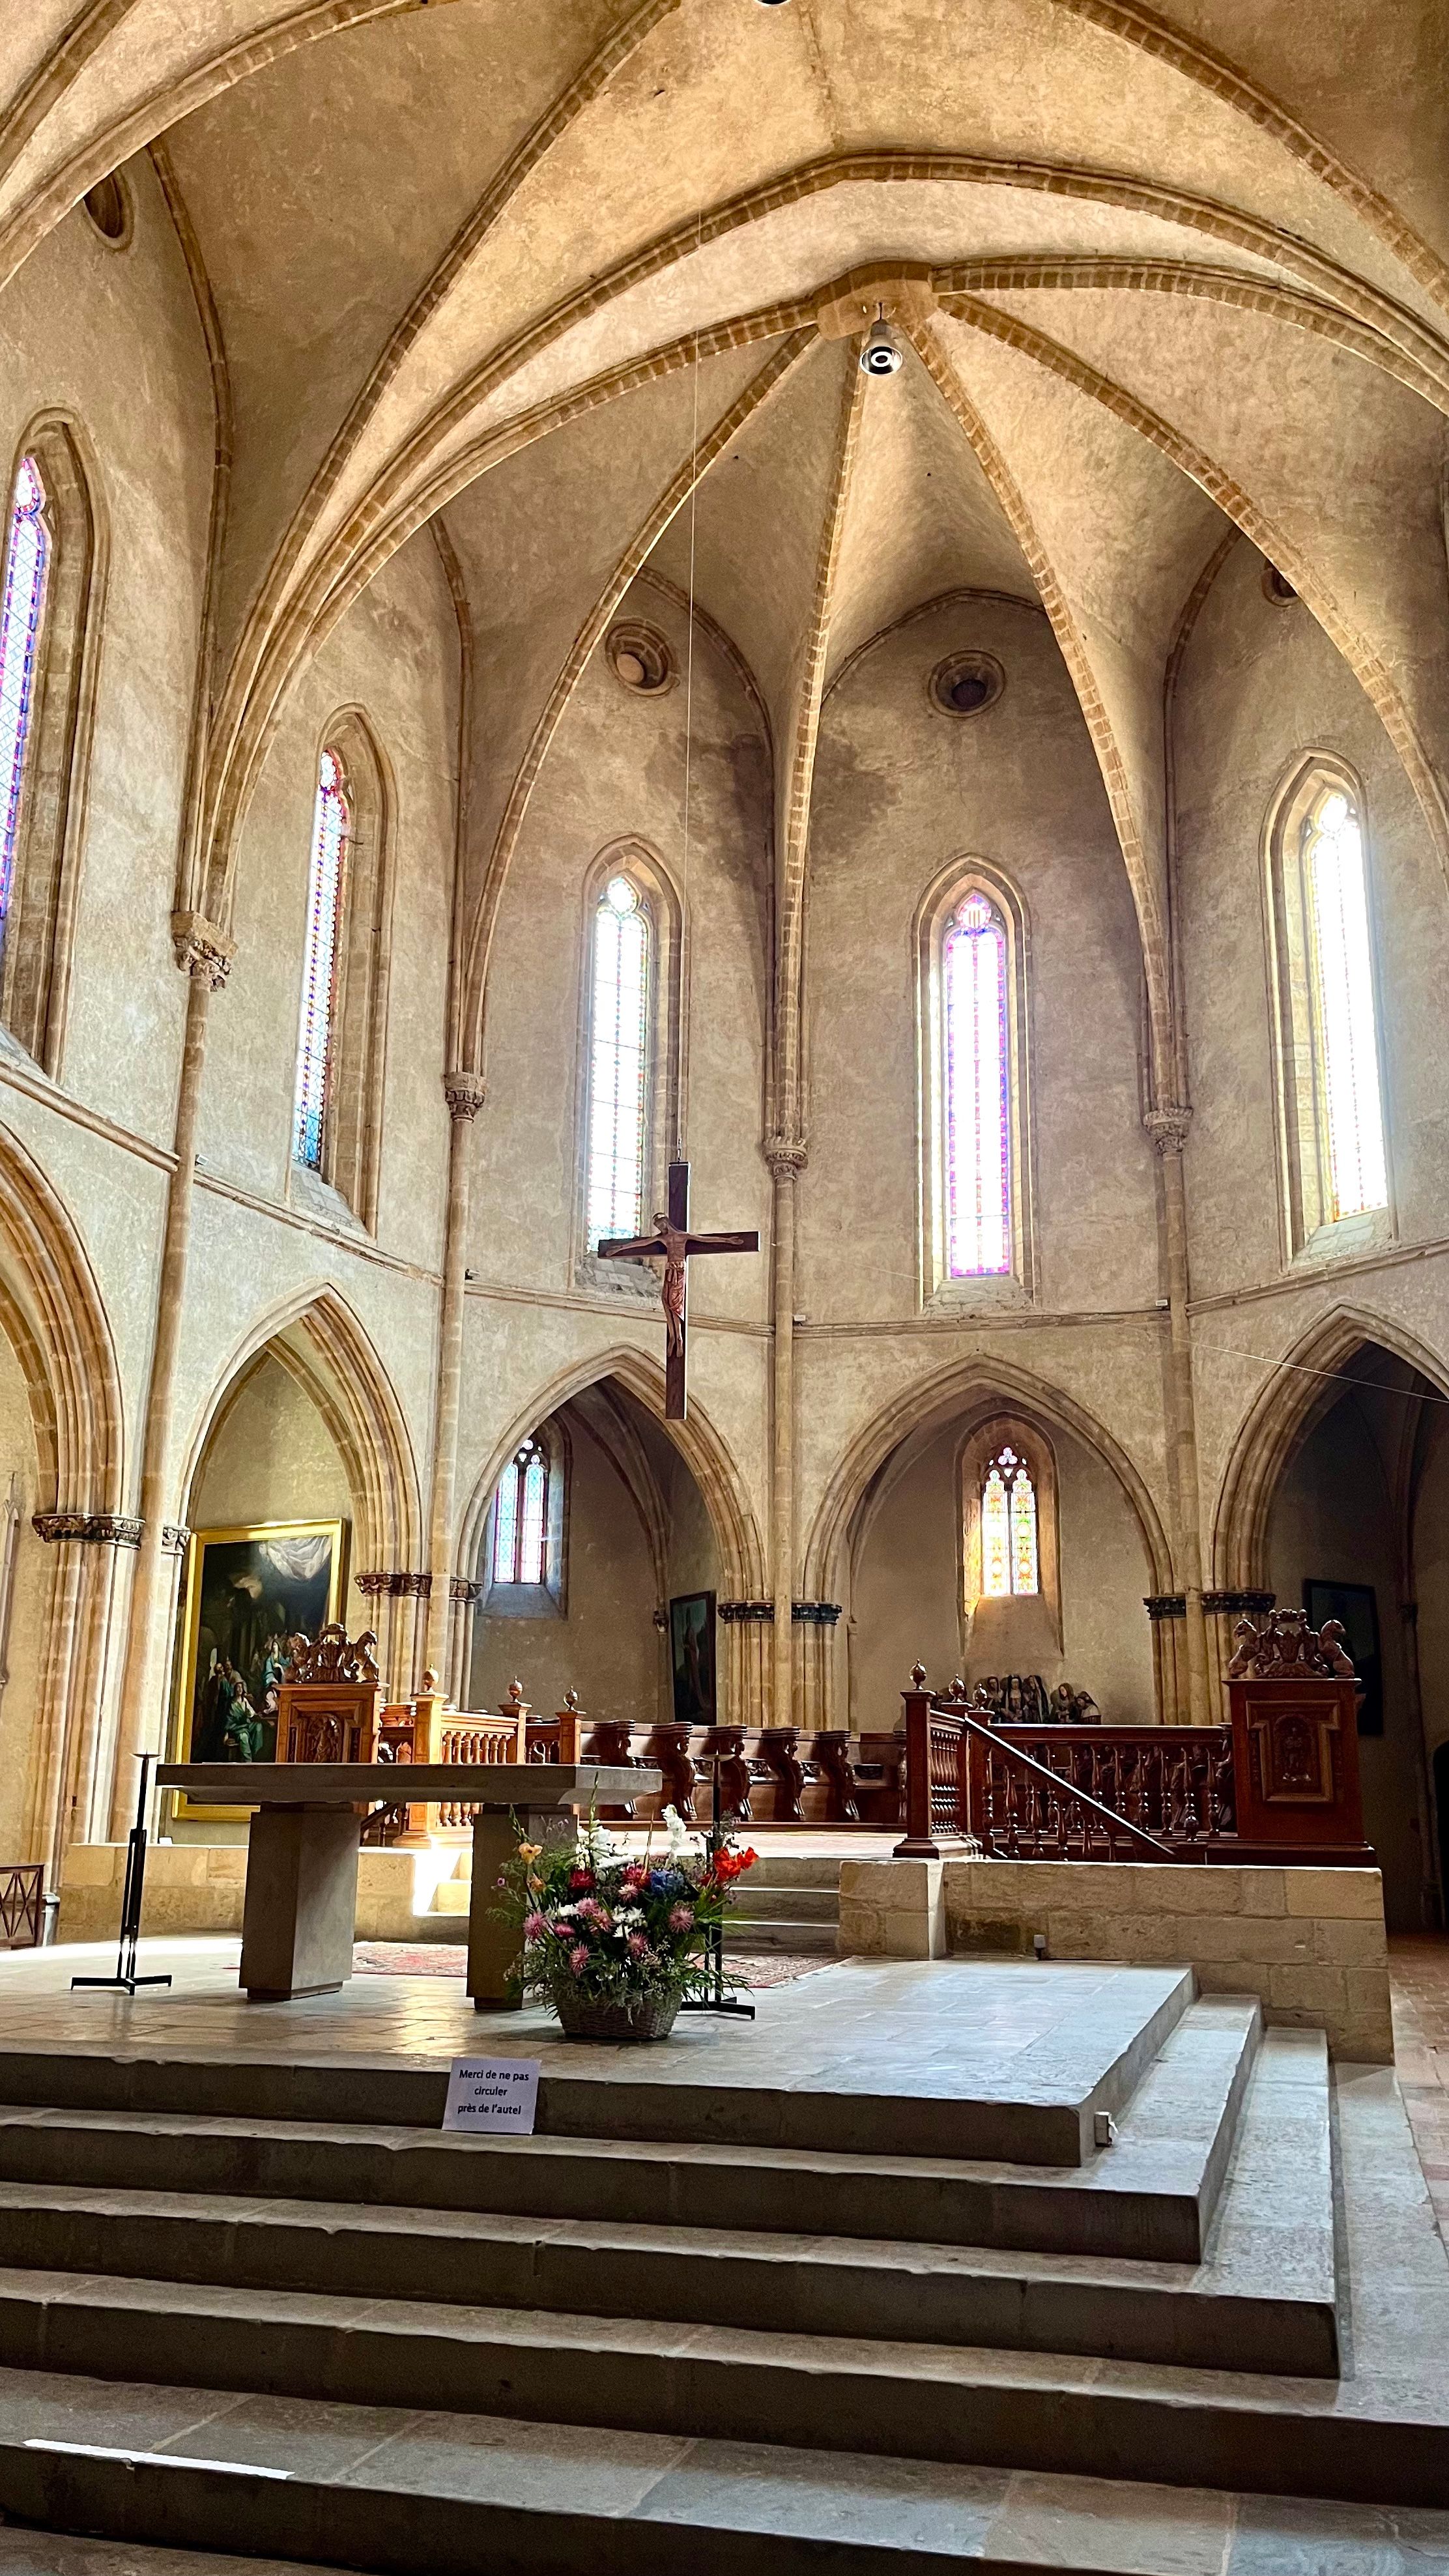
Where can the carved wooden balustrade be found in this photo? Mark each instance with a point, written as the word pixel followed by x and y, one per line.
pixel 22 1888
pixel 773 1775
pixel 474 1737
pixel 1175 1782
pixel 964 1777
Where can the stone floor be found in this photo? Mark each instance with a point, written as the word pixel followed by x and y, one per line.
pixel 1419 1982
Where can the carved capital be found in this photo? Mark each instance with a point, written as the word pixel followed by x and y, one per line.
pixel 202 950
pixel 1166 1605
pixel 1237 1605
pixel 1168 1126
pixel 815 1614
pixel 175 1538
pixel 464 1093
pixel 95 1529
pixel 761 1611
pixel 381 1582
pixel 460 1589
pixel 786 1154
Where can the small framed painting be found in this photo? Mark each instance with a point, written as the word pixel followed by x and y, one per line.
pixel 1356 1607
pixel 247 1592
pixel 691 1654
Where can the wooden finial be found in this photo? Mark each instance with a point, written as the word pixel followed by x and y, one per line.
pixel 918 1676
pixel 430 1679
pixel 571 1699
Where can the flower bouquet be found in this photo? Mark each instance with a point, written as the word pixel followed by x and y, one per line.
pixel 615 1941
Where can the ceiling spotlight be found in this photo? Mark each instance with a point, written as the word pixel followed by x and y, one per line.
pixel 882 354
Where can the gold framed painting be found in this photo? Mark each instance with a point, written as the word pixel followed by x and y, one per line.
pixel 247 1591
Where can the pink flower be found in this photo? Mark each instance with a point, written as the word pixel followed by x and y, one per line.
pixel 535 1926
pixel 680 1917
pixel 579 1959
pixel 639 1945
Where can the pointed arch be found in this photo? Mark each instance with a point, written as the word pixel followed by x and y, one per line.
pixel 322 1343
pixel 48 819
pixel 701 1446
pixel 979 1386
pixel 1299 1386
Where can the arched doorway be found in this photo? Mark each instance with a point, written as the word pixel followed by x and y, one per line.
pixel 991 1544
pixel 1341 1496
pixel 596 1522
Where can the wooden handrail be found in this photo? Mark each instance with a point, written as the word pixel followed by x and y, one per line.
pixel 919 1843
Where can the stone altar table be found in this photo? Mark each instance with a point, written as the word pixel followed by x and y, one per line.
pixel 301 1884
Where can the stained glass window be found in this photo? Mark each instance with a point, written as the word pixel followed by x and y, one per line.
pixel 330 832
pixel 619 1063
pixel 27 557
pixel 1346 1041
pixel 520 1518
pixel 1009 1556
pixel 977 1076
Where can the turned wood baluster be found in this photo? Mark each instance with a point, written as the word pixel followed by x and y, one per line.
pixel 918 1843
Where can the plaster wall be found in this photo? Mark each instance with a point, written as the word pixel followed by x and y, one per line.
pixel 271 1458
pixel 1332 1519
pixel 108 338
pixel 1261 686
pixel 22 1601
pixel 907 1590
pixel 602 1642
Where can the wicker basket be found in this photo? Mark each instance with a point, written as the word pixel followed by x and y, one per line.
pixel 584 2020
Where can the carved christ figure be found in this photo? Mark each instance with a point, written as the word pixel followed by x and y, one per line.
pixel 674 1288
pixel 674 1245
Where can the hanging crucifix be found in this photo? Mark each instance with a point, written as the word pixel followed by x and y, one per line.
pixel 673 1243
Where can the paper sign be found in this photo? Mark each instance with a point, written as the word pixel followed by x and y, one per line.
pixel 493 2093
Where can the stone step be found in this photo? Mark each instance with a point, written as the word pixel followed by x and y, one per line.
pixel 1005 2410
pixel 779 1932
pixel 896 2292
pixel 391 2492
pixel 785 1900
pixel 452 1896
pixel 1080 2038
pixel 1150 2196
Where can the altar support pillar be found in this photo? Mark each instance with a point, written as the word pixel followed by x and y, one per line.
pixel 495 1949
pixel 786 1161
pixel 464 1095
pixel 1168 1130
pixel 204 956
pixel 301 1902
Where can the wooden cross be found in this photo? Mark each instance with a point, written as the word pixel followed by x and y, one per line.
pixel 673 1243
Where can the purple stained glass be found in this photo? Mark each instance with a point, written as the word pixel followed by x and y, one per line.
pixel 977 1077
pixel 27 558
pixel 619 1063
pixel 330 831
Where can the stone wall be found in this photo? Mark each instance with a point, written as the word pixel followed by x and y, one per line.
pixel 199 1887
pixel 1309 1943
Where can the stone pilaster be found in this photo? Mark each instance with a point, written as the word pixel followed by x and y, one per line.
pixel 447 1624
pixel 786 1157
pixel 1168 1127
pixel 204 955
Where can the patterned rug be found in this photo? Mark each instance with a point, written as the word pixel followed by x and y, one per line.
pixel 444 1959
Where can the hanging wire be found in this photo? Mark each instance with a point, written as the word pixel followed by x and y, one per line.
pixel 685 943
pixel 1374 1386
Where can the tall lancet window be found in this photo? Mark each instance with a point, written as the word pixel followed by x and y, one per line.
pixel 1010 1561
pixel 619 1067
pixel 976 1081
pixel 27 561
pixel 1351 1124
pixel 520 1518
pixel 331 832
pixel 1332 1132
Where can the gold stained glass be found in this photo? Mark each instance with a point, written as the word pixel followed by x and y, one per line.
pixel 1010 1561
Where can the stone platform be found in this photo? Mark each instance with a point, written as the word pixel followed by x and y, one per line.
pixel 236 2252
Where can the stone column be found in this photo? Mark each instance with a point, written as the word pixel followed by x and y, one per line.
pixel 1168 1129
pixel 204 956
pixel 464 1093
pixel 786 1158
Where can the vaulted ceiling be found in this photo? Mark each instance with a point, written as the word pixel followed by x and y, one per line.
pixel 1158 273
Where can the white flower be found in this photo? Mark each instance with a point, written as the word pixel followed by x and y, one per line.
pixel 682 1843
pixel 628 1915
